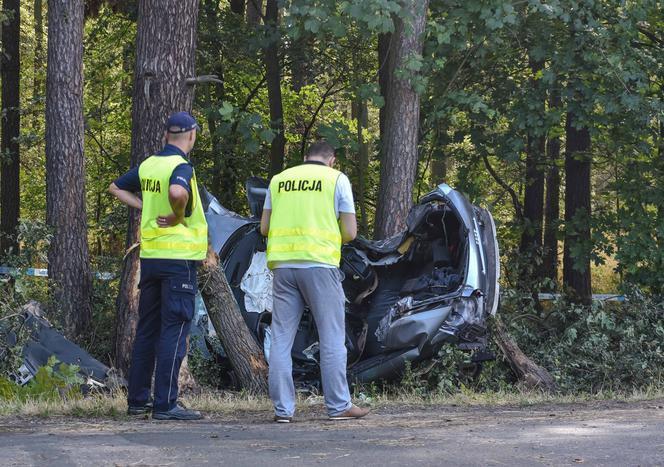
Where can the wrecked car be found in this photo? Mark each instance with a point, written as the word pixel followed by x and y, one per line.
pixel 434 284
pixel 44 342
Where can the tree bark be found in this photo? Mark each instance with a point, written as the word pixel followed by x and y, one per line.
pixel 576 271
pixel 532 375
pixel 165 58
pixel 533 202
pixel 439 159
pixel 300 52
pixel 552 204
pixel 68 256
pixel 243 351
pixel 37 64
pixel 273 70
pixel 384 67
pixel 254 12
pixel 402 118
pixel 237 7
pixel 362 117
pixel 11 123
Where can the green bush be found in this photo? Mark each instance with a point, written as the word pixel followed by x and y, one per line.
pixel 54 381
pixel 606 346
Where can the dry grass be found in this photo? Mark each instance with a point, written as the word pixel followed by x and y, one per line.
pixel 114 405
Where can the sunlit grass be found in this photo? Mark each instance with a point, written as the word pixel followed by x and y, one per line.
pixel 235 404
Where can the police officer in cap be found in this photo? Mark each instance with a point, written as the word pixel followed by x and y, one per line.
pixel 174 239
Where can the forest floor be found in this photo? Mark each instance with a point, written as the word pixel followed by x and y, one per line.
pixel 599 432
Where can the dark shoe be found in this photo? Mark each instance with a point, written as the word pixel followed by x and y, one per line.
pixel 178 413
pixel 140 409
pixel 280 419
pixel 353 413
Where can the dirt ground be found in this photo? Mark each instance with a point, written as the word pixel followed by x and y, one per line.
pixel 607 433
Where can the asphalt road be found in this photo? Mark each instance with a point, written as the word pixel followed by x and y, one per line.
pixel 610 433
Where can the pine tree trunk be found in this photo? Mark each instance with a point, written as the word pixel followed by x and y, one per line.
pixel 576 271
pixel 165 58
pixel 552 204
pixel 273 70
pixel 68 256
pixel 439 159
pixel 38 59
pixel 384 67
pixel 401 134
pixel 237 7
pixel 254 12
pixel 533 202
pixel 9 148
pixel 243 351
pixel 362 116
pixel 300 52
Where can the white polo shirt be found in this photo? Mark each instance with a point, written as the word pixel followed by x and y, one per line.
pixel 343 202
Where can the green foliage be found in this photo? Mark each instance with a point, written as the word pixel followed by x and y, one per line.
pixel 608 346
pixel 52 382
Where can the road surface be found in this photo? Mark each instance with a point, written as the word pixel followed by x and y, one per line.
pixel 607 433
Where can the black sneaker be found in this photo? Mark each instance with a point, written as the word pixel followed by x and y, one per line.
pixel 178 413
pixel 281 419
pixel 140 409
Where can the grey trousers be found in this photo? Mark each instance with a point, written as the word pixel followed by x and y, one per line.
pixel 320 289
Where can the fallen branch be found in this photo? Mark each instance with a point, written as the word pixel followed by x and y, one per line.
pixel 244 353
pixel 532 375
pixel 204 79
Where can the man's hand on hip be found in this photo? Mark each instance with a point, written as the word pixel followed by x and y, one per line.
pixel 170 220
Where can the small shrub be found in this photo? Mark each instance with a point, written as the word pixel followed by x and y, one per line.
pixel 54 381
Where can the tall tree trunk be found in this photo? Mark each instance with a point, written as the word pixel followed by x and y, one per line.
pixel 237 7
pixel 576 270
pixel 165 58
pixel 254 12
pixel 402 117
pixel 552 205
pixel 533 202
pixel 384 70
pixel 38 59
pixel 273 70
pixel 439 158
pixel 362 117
pixel 11 124
pixel 300 52
pixel 68 256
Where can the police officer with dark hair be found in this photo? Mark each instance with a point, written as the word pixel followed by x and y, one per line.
pixel 173 239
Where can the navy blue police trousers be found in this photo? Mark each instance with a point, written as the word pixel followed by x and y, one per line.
pixel 166 308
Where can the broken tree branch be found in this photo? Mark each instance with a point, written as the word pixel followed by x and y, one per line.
pixel 515 198
pixel 204 79
pixel 243 351
pixel 532 375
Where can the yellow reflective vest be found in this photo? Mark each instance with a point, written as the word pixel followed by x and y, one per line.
pixel 303 222
pixel 187 240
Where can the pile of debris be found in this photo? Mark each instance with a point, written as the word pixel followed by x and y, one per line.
pixel 42 342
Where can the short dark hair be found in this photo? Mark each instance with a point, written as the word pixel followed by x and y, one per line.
pixel 322 149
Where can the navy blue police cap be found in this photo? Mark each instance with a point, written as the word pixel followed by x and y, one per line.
pixel 181 122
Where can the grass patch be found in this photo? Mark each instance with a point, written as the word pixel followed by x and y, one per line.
pixel 114 405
